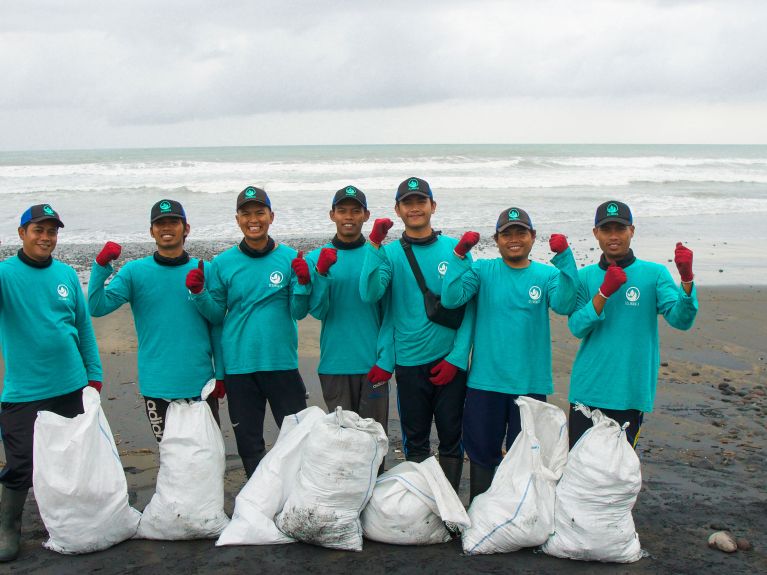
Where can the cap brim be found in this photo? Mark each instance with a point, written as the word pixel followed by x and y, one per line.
pixel 161 216
pixel 253 201
pixel 610 219
pixel 43 218
pixel 507 225
pixel 413 193
pixel 352 198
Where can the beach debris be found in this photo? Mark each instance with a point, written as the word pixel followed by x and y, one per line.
pixel 724 541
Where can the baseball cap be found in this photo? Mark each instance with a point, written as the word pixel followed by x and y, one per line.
pixel 513 217
pixel 350 193
pixel 613 211
pixel 413 186
pixel 253 194
pixel 167 209
pixel 38 213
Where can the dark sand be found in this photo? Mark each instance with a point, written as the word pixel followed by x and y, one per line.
pixel 702 450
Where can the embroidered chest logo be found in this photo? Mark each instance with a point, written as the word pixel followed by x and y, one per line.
pixel 632 296
pixel 63 291
pixel 535 294
pixel 275 279
pixel 442 269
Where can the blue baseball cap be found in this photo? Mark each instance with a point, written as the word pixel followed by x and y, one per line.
pixel 253 194
pixel 38 213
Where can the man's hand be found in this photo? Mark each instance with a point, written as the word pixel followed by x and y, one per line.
pixel 615 277
pixel 378 375
pixel 95 385
pixel 219 392
pixel 195 279
pixel 443 373
pixel 301 269
pixel 328 256
pixel 558 243
pixel 683 261
pixel 380 228
pixel 110 252
pixel 467 241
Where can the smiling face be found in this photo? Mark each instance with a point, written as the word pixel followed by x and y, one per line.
pixel 515 244
pixel 169 233
pixel 349 215
pixel 614 239
pixel 254 219
pixel 39 239
pixel 415 211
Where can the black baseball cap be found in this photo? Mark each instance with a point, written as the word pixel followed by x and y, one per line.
pixel 413 186
pixel 613 211
pixel 350 193
pixel 167 209
pixel 38 213
pixel 253 194
pixel 513 217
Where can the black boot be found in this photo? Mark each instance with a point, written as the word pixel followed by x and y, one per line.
pixel 418 458
pixel 452 466
pixel 251 462
pixel 480 478
pixel 11 508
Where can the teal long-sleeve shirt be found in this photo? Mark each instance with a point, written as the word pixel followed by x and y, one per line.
pixel 258 301
pixel 617 363
pixel 177 347
pixel 48 342
pixel 417 340
pixel 512 338
pixel 355 334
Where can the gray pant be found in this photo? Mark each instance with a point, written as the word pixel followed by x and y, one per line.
pixel 356 393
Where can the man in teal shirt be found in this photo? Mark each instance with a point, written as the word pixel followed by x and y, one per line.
pixel 167 322
pixel 257 290
pixel 356 352
pixel 431 357
pixel 50 355
pixel 512 338
pixel 616 317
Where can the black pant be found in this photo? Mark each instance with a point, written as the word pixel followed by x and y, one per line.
pixel 156 408
pixel 419 401
pixel 248 394
pixel 578 423
pixel 17 425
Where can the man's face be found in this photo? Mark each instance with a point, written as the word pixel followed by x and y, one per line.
pixel 415 211
pixel 254 220
pixel 169 232
pixel 614 239
pixel 515 243
pixel 39 239
pixel 349 215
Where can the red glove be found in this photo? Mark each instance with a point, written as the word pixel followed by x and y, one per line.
pixel 615 277
pixel 95 384
pixel 328 256
pixel 195 279
pixel 301 269
pixel 443 373
pixel 683 261
pixel 110 251
pixel 467 241
pixel 377 375
pixel 219 391
pixel 558 243
pixel 380 228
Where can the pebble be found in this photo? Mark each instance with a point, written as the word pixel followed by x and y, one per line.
pixel 702 464
pixel 695 374
pixel 723 386
pixel 743 544
pixel 724 541
pixel 664 364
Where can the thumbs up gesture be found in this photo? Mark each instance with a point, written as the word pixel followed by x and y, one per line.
pixel 301 269
pixel 195 279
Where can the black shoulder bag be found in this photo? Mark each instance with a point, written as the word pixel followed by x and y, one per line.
pixel 435 311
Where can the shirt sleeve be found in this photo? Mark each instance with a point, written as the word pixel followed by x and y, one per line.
pixel 86 338
pixel 299 296
pixel 218 351
pixel 319 301
pixel 211 301
pixel 585 318
pixel 385 344
pixel 464 337
pixel 376 274
pixel 674 304
pixel 103 300
pixel 563 284
pixel 461 282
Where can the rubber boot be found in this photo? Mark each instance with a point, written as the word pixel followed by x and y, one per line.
pixel 480 478
pixel 418 458
pixel 11 508
pixel 250 463
pixel 452 466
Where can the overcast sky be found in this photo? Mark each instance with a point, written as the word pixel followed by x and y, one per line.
pixel 152 73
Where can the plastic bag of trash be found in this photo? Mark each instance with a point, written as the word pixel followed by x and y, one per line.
pixel 518 509
pixel 265 493
pixel 188 502
pixel 414 504
pixel 339 464
pixel 79 482
pixel 595 497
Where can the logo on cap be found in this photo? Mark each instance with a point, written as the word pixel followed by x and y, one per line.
pixel 275 279
pixel 250 193
pixel 165 206
pixel 534 293
pixel 513 215
pixel 351 191
pixel 632 294
pixel 413 184
pixel 48 210
pixel 612 209
pixel 62 290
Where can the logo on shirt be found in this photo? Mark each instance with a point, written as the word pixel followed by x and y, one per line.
pixel 275 279
pixel 535 294
pixel 63 291
pixel 442 269
pixel 632 296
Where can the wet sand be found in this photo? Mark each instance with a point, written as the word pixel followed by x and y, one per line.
pixel 702 450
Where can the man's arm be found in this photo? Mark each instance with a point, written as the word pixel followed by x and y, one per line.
pixel 103 300
pixel 678 306
pixel 563 286
pixel 86 337
pixel 461 282
pixel 208 292
pixel 376 274
pixel 464 338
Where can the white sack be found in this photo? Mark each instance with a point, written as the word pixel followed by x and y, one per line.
pixel 338 471
pixel 79 482
pixel 265 493
pixel 595 497
pixel 188 502
pixel 518 509
pixel 411 504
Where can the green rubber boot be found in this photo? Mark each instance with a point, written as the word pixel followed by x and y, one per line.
pixel 11 508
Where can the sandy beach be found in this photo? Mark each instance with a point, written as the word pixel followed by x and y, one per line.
pixel 702 450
